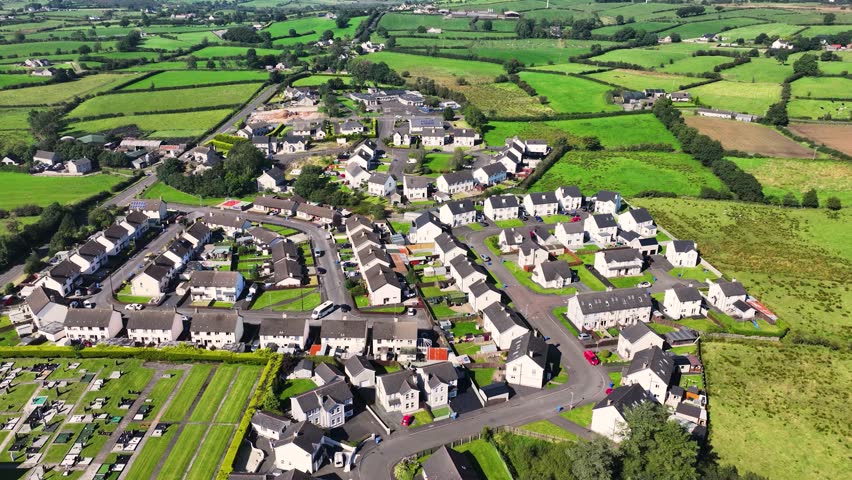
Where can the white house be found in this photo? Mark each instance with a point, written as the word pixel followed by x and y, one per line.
pixel 300 448
pixel 447 248
pixel 327 406
pixel 92 325
pixel 457 213
pixel 383 287
pixel 608 415
pixel 455 182
pixel 286 334
pixel 365 239
pixel 439 383
pixel 232 225
pixel 269 425
pixel 638 220
pixel 503 323
pixel 357 224
pixel 681 302
pixel 197 235
pixel 81 166
pixel 779 44
pixel 724 294
pixel 541 203
pixel 46 158
pixel 62 278
pixel 433 137
pixel 490 174
pixel 115 238
pixel 553 274
pixel 401 138
pixel 216 285
pixel 356 176
pixel 510 239
pixel 271 180
pixel 465 273
pixel 347 337
pixel 501 207
pixel 370 257
pixel 530 254
pixel 602 228
pixel 483 294
pixel 152 282
pixel 570 234
pixel 592 311
pixel 381 185
pixel 360 372
pixel 526 363
pixel 90 257
pixel 626 262
pixel 154 326
pixel 215 330
pixel 635 338
pixel 293 144
pixel 43 306
pixel 653 369
pixel 570 198
pixel 464 137
pixel 398 392
pixel 415 188
pixel 682 253
pixel 425 229
pixel 351 127
pixel 607 202
pixel 395 340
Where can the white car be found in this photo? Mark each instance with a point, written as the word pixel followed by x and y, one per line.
pixel 133 306
pixel 412 312
pixel 643 284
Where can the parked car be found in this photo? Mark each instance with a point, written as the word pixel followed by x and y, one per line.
pixel 485 258
pixel 583 337
pixel 407 420
pixel 643 284
pixel 538 219
pixel 591 357
pixel 483 223
pixel 339 459
pixel 412 311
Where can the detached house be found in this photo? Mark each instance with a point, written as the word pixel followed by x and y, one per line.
pixel 602 228
pixel 346 337
pixel 503 323
pixel 626 262
pixel 356 176
pixel 351 127
pixel 607 202
pixel 271 180
pixel 483 294
pixel 215 330
pixel 152 282
pixel 415 188
pixel 269 425
pixel 510 239
pixel 608 415
pixel 230 224
pixel 381 185
pixel 447 248
pixel 530 255
pixel 327 406
pixel 541 203
pixel 92 325
pixel 553 274
pixel 286 334
pixel 154 209
pixel 293 144
pixel 571 234
pixel 501 207
pixel 635 338
pixel 46 158
pixel 457 213
pixel 218 286
pixel 682 253
pixel 526 363
pixel 81 166
pixel 398 392
pixel 465 273
pixel 300 448
pixel 153 327
pixel 724 295
pixel 325 374
pixel 682 302
pixel 448 464
pixel 570 198
pixel 638 220
pixel 395 340
pixel 653 369
pixel 439 382
pixel 592 311
pixel 490 174
pixel 383 286
pixel 456 182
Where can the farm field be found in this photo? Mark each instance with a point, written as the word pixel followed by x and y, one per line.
pixel 504 100
pixel 833 136
pixel 349 31
pixel 315 80
pixel 649 57
pixel 613 132
pixel 780 176
pixel 697 29
pixel 568 68
pixel 164 125
pixel 695 65
pixel 225 52
pixel 18 79
pixel 747 137
pixel 760 70
pixel 752 98
pixel 40 49
pixel 568 94
pixel 628 173
pixel 820 109
pixel 754 401
pixel 822 87
pixel 195 77
pixel 58 93
pixel 640 80
pixel 647 26
pixel 22 188
pixel 13 118
pixel 749 33
pixel 792 260
pixel 444 72
pixel 409 23
pixel 534 51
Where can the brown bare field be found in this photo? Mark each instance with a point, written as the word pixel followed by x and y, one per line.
pixel 838 137
pixel 748 137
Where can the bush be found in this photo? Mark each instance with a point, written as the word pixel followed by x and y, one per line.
pixel 833 203
pixel 604 353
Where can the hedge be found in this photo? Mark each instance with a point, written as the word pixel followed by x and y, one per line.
pixel 172 354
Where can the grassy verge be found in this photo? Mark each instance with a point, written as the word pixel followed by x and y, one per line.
pixel 579 415
pixel 546 427
pixel 181 402
pixel 525 279
pixel 488 459
pixel 210 453
pixel 589 279
pixel 559 312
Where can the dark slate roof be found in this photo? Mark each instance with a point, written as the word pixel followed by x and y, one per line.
pixel 481 287
pixel 446 464
pixel 570 191
pixel 502 317
pixel 274 202
pixel 327 373
pixel 446 242
pixel 358 364
pixel 84 317
pixel 502 201
pixel 463 176
pixel 410 181
pixel 572 227
pixel 654 358
pixel 286 268
pixel 463 266
pixel 625 398
pixel 379 275
pixel 304 435
pixel 425 219
pixel 604 220
pixel 556 269
pixel 136 217
pixel 379 178
pixel 270 421
pixel 150 319
pixel 682 245
pixel 495 389
pixel 400 382
pixel 741 306
pixel 689 410
pixel 356 221
pixel 528 345
pixel 285 249
pixel 682 335
pixel 115 231
pixel 213 322
pixel 364 237
pixel 92 249
pixel 282 328
pixel 444 371
pixel 640 215
pixel 618 299
pixel 214 278
pixel 687 294
pixel 368 254
pixel 65 269
pixel 263 235
pixel 493 169
pixel 624 255
pixel 395 330
pixel 180 247
pixel 607 196
pixel 634 332
pixel 221 219
pixel 38 299
pixel 627 235
pixel 164 261
pixel 731 289
pixel 198 230
pixel 343 329
pixel 542 198
pixel 336 391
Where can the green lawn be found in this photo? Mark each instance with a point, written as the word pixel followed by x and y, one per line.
pixel 780 176
pixel 511 223
pixel 460 329
pixel 304 304
pixel 660 328
pixel 214 393
pixel 185 396
pixel 631 282
pixel 442 310
pixel 525 279
pixel 162 390
pixel 196 77
pixel 466 348
pixel 21 188
pixel 421 417
pixel 487 458
pixel 700 324
pixel 401 227
pixel 234 403
pixel 188 443
pixel 172 195
pixel 559 312
pixel 271 297
pixel 615 377
pixel 589 279
pixel 699 273
pixel 482 376
pixel 568 94
pixel 296 386
pixel 206 463
pixel 474 226
pixel 580 415
pixel 18 397
pixel 546 427
pixel 441 412
pixel 155 448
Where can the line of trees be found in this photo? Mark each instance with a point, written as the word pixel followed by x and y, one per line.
pixel 234 178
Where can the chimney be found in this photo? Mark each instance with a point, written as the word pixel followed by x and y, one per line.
pixel 608 401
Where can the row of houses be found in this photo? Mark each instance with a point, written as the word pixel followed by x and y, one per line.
pixel 433 132
pixel 297 208
pixel 374 263
pixel 155 278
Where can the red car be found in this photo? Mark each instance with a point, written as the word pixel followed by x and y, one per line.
pixel 407 420
pixel 591 357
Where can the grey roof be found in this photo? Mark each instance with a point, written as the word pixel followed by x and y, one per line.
pixel 327 373
pixel 270 421
pixel 464 132
pixel 426 218
pixel 426 122
pixel 627 235
pixel 647 242
pixel 358 221
pixel 604 220
pixel 463 176
pixel 274 202
pixel 687 294
pixel 572 227
pixel 304 435
pixel 682 245
pixel 634 332
pixel 618 299
pixel 571 191
pixel 446 242
pixel 358 364
pixel 444 371
pixel 150 319
pixel 164 261
pixel 528 247
pixel 502 317
pixel 336 391
pixel 446 464
pixel 92 318
pixel 304 364
pixel 625 398
pixel 37 300
pixel 682 335
pixel 293 139
pixel 363 238
pixel 542 198
pixel 556 269
pixel 731 289
pixel 655 359
pixel 65 269
pixel 528 345
pixel 115 231
pixel 464 267
pixel 282 328
pixel 263 235
pixel 410 181
pixel 640 215
pixel 379 178
pixel 689 410
pixel 344 329
pixel 354 170
pixel 502 201
pixel 198 230
pixel 214 278
pixel 742 306
pixel 213 322
pixel 282 250
pixel 221 219
pixel 495 389
pixel 379 276
pixel 146 204
pixel 136 217
pixel 481 287
pixel 276 174
pixel 286 268
pixel 493 169
pixel 317 211
pixel 400 382
pixel 607 196
pixel 395 330
pixel 180 247
pixel 92 249
pixel 367 255
pixel 459 207
pixel 624 255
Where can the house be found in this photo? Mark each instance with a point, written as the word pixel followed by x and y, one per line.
pixel 602 228
pixel 635 338
pixel 638 220
pixel 425 229
pixel 511 160
pixel 317 214
pixel 114 238
pixel 682 253
pixel 447 248
pixel 439 383
pixel 530 254
pixel 465 273
pixel 365 239
pixel 215 330
pixel 570 198
pixel 216 285
pixel 457 213
pixel 325 374
pixel 283 206
pixel 455 182
pixel 139 222
pixel 607 202
pixel 152 282
pixel 570 234
pixel 268 145
pixel 11 160
pixel 81 166
pixel 381 185
pixel 197 235
pixel 360 372
pixel 269 425
pixel 286 334
pixel 415 188
pixel 553 274
pixel 682 302
pixel 501 207
pixel 503 323
pixel 743 310
pixel 395 340
pixel 263 238
pixel 293 144
pixel 349 337
pixel 92 325
pixel 464 137
pixel 724 294
pixel 541 203
pixel 608 415
pixel 155 209
pixel 483 294
pixel 153 327
pixel 370 257
pixel 90 257
pixel 490 174
pixel 592 311
pixel 779 44
pixel 44 307
pixel 179 251
pixel 526 363
pixel 510 239
pixel 647 246
pixel 678 97
pixel 361 159
pixel 204 157
pixel 255 128
pixel 401 138
pixel 383 286
pixel 691 413
pixel 46 158
pixel 626 262
pixel 398 392
pixel 535 146
pixel 356 176
pixel 357 224
pixel 300 448
pixel 448 464
pixel 351 127
pixel 271 180
pixel 62 277
pixel 232 225
pixel 653 369
pixel 433 137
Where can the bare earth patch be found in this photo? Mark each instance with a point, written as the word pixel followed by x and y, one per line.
pixel 747 137
pixel 838 137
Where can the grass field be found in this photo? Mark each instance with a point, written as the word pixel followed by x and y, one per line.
pixel 190 388
pixel 21 188
pixel 196 77
pixel 784 398
pixel 613 132
pixel 188 443
pixel 792 260
pixel 408 22
pixel 752 98
pixel 227 52
pixel 534 51
pixel 696 29
pixel 749 33
pixel 822 87
pixel 504 99
pixel 173 195
pixel 650 57
pixel 748 137
pixel 18 79
pixel 272 297
pixel 155 448
pixel 234 403
pixel 568 94
pixel 628 173
pixel 162 126
pixel 647 26
pixel 58 93
pixel 695 65
pixel 833 136
pixel 219 385
pixel 546 427
pixel 640 80
pixel 820 109
pixel 579 415
pixel 444 72
pixel 487 459
pixel 759 70
pixel 568 68
pixel 316 80
pixel 782 175
pixel 206 463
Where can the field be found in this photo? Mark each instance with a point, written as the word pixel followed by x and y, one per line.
pixel 749 33
pixel 231 52
pixel 613 132
pixel 752 98
pixel 748 137
pixel 647 26
pixel 568 68
pixel 409 23
pixel 792 260
pixel 761 70
pixel 316 80
pixel 833 136
pixel 58 93
pixel 195 77
pixel 628 173
pixel 504 99
pixel 780 176
pixel 568 94
pixel 651 57
pixel 444 72
pixel 534 51
pixel 640 80
pixel 16 79
pixel 165 125
pixel 822 87
pixel 820 109
pixel 759 390
pixel 21 188
pixel 172 195
pixel 697 29
pixel 487 459
pixel 695 65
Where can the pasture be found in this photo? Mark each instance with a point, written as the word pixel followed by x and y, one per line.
pixel 780 176
pixel 568 68
pixel 747 137
pixel 838 137
pixel 231 52
pixel 640 80
pixel 820 109
pixel 196 77
pixel 445 72
pixel 503 99
pixel 759 70
pixel 752 98
pixel 822 87
pixel 59 93
pixel 535 51
pixel 165 125
pixel 697 29
pixel 316 80
pixel 695 65
pixel 762 389
pixel 21 188
pixel 18 79
pixel 647 26
pixel 628 173
pixel 409 23
pixel 749 33
pixel 568 94
pixel 650 57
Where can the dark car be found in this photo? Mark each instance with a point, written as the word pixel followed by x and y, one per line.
pixel 538 219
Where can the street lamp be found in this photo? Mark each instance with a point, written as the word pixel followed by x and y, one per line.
pixel 572 401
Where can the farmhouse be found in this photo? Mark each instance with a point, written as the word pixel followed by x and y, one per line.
pixel 625 262
pixel 553 274
pixel 570 198
pixel 681 302
pixel 457 213
pixel 217 286
pixel 682 253
pixel 635 338
pixel 286 335
pixel 344 337
pixel 92 325
pixel 381 185
pixel 501 207
pixel 503 324
pixel 607 202
pixel 327 406
pixel 608 415
pixel 455 182
pixel 490 174
pixel 638 220
pixel 415 188
pixel 571 235
pixel 425 228
pixel 153 327
pixel 592 311
pixel 46 158
pixel 81 166
pixel 653 369
pixel 678 97
pixel 215 330
pixel 602 228
pixel 271 180
pixel 526 363
pixel 398 392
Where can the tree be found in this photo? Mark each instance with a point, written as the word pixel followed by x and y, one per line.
pixel 65 235
pixel 191 62
pixel 129 42
pixel 9 288
pixel 84 50
pixel 782 55
pixel 828 18
pixel 777 114
pixel 327 35
pixel 806 65
pixel 390 42
pixel 675 37
pixel 421 29
pixel 449 114
pixel 342 20
pixel 34 264
pixel 595 460
pixel 810 199
pixel 487 25
pixel 292 32
pixel 13 225
pixel 271 401
pixel 377 212
pixel 458 160
pixel 512 66
pixel 474 116
pixel 101 218
pixel 45 125
pixel 761 38
pixel 242 34
pixel 655 447
pixel 833 203
pixel 790 200
pixel 211 65
pixel 124 21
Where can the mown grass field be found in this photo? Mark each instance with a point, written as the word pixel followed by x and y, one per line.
pixel 780 176
pixel 568 67
pixel 20 188
pixel 445 71
pixel 316 80
pixel 18 79
pixel 628 173
pixel 226 52
pixel 534 51
pixel 647 26
pixel 640 80
pixel 820 109
pixel 792 401
pixel 695 65
pixel 195 77
pixel 155 448
pixel 567 94
pixel 651 56
pixel 697 29
pixel 189 389
pixel 172 195
pixel 235 402
pixel 752 98
pixel 759 70
pixel 180 456
pixel 822 87
pixel 749 33
pixel 214 393
pixel 58 93
pixel 164 125
pixel 409 22
pixel 206 463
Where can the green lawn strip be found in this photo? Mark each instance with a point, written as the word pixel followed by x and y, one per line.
pixel 700 324
pixel 684 350
pixel 547 427
pixel 615 377
pixel 296 386
pixel 557 218
pixel 699 273
pixel 210 453
pixel 525 279
pixel 281 230
pixel 488 459
pixel 431 292
pixel 466 348
pixel 460 329
pixel 179 457
pixel 474 226
pixel 559 312
pixel 559 379
pixel 234 404
pixel 9 338
pixel 631 282
pixel 442 310
pixel 306 303
pixel 132 299
pixel 190 388
pixel 687 381
pixel 589 279
pixel 214 393
pixel 173 195
pixel 660 328
pixel 401 227
pixel 271 297
pixel 511 223
pixel 482 376
pixel 579 415
pixel 421 417
pixel 441 412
